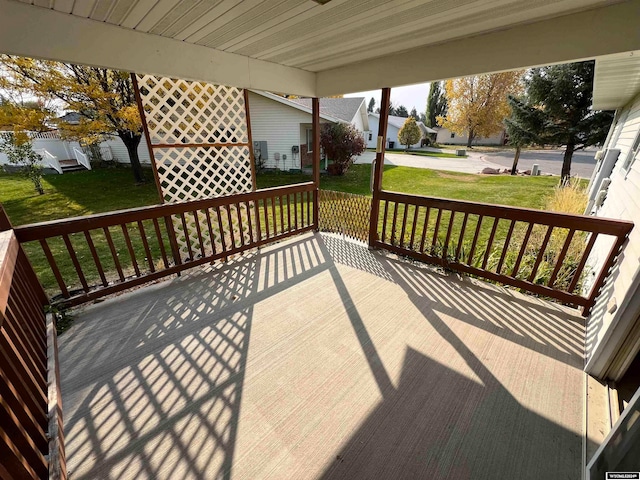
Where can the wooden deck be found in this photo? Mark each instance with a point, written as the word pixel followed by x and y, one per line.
pixel 315 358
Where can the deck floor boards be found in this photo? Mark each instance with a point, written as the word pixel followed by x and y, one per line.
pixel 316 358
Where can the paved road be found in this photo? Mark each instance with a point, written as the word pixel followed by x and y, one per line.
pixel 471 164
pixel 550 161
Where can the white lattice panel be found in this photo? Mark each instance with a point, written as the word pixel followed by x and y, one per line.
pixel 192 173
pixel 180 111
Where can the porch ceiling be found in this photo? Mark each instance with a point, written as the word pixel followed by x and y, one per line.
pixel 617 80
pixel 281 45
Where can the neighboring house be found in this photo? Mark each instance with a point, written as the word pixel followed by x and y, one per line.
pixel 444 136
pixel 284 126
pixel 394 125
pixel 613 329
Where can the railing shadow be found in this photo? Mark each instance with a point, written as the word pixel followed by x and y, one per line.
pixel 168 361
pixel 440 423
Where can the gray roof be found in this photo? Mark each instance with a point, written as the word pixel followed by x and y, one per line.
pixel 341 108
pixel 398 122
pixel 71 117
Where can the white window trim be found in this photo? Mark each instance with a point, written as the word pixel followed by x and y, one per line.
pixel 309 140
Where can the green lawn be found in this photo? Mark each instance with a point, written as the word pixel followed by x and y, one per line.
pixel 103 190
pixel 424 154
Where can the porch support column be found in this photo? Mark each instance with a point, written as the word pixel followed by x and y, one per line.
pixel 315 131
pixel 379 166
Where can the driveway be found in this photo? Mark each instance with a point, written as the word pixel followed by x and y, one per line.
pixel 472 164
pixel 550 161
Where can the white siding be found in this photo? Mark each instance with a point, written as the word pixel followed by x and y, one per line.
pixel 120 153
pixel 58 148
pixel 392 134
pixel 278 125
pixel 622 202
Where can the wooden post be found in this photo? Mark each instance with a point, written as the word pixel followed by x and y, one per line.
pixel 252 158
pixel 145 129
pixel 379 167
pixel 315 131
pixel 5 223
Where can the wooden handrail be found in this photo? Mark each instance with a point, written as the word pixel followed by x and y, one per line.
pixel 195 232
pixel 437 251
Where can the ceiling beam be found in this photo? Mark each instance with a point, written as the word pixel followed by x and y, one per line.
pixel 42 33
pixel 577 36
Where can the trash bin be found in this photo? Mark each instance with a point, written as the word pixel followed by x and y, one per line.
pixel 391 145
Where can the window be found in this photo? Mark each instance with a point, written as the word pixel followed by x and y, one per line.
pixel 309 140
pixel 370 136
pixel 453 135
pixel 633 154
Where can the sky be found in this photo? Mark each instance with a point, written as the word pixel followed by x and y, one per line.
pixel 411 96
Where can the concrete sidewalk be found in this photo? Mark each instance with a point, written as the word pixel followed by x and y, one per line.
pixel 474 163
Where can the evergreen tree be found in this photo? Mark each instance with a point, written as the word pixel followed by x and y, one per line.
pixel 436 104
pixel 556 110
pixel 372 105
pixel 414 114
pixel 401 111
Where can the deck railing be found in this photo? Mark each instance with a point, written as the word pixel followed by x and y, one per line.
pixel 31 439
pixel 541 252
pixel 97 255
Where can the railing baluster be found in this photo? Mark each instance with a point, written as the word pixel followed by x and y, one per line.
pixel 295 210
pixel 282 229
pixel 448 237
pixel 196 219
pixel 424 229
pixel 163 252
pixel 187 240
pixel 246 204
pixel 474 242
pixel 173 240
pixel 384 221
pixel 404 224
pixel 132 254
pixel 265 211
pixel 273 216
pixel 393 223
pixel 505 248
pixel 583 262
pixel 543 247
pixel 560 261
pixel 288 213
pixel 309 207
pixel 256 211
pixel 461 236
pixel 487 252
pixel 114 254
pixel 96 258
pixel 413 228
pixel 523 248
pixel 435 231
pixel 76 263
pixel 145 244
pixel 221 229
pixel 212 237
pixel 240 225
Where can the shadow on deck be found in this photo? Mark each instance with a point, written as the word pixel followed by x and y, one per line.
pixel 316 358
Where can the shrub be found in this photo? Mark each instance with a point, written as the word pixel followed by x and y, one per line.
pixel 19 151
pixel 341 142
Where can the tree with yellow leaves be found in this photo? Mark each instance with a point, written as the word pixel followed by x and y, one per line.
pixel 104 98
pixel 478 105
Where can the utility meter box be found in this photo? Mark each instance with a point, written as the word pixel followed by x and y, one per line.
pixel 295 149
pixel 260 150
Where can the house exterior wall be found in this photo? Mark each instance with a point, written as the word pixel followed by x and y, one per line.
pixel 444 136
pixel 622 202
pixel 278 125
pixel 120 153
pixel 392 134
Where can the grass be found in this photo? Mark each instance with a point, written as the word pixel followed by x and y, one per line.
pixel 103 190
